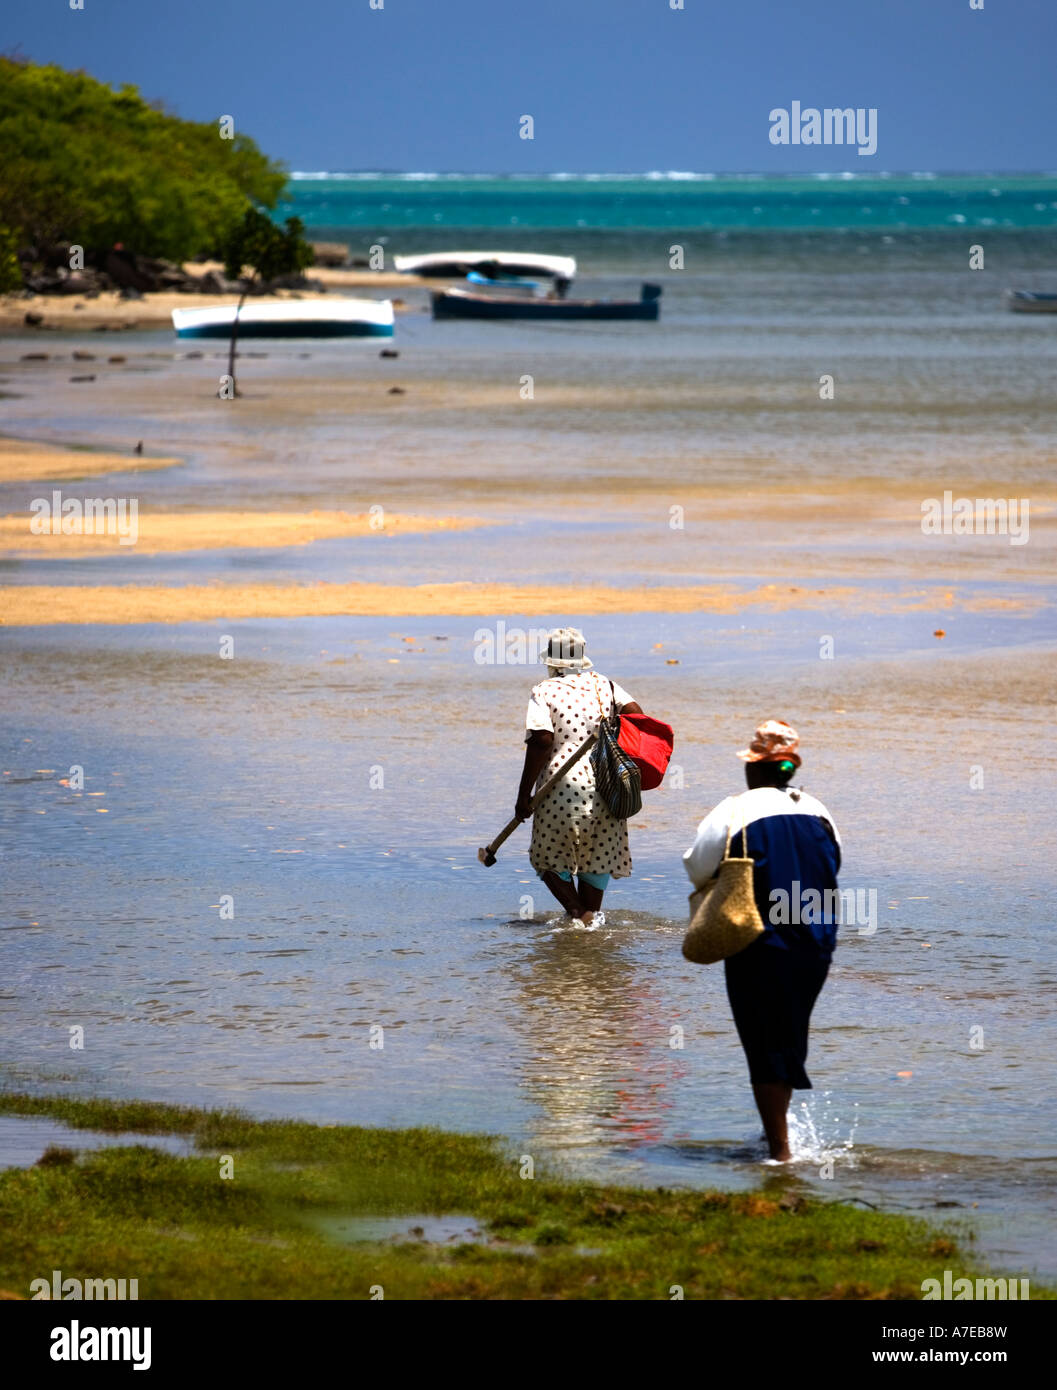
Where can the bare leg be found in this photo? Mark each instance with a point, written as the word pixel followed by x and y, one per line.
pixel 565 891
pixel 772 1101
pixel 591 899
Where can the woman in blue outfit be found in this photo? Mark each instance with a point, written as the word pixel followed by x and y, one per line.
pixel 772 985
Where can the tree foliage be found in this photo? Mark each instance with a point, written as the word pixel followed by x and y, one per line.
pixel 10 271
pixel 86 164
pixel 269 250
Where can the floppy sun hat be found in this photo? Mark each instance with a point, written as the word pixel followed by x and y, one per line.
pixel 565 650
pixel 774 741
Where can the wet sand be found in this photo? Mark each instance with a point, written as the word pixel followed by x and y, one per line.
pixel 202 530
pixel 41 605
pixel 26 461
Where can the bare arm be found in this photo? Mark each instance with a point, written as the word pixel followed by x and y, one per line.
pixel 537 755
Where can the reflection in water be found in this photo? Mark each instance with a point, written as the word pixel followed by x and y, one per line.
pixel 357 907
pixel 598 1064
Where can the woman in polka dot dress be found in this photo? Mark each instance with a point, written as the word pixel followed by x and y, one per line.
pixel 577 844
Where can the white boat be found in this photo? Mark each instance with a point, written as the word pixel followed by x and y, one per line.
pixel 1031 302
pixel 453 264
pixel 290 318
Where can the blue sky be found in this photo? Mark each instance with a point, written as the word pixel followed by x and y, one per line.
pixel 612 85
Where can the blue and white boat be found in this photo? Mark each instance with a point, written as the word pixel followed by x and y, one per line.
pixel 1031 302
pixel 290 318
pixel 452 265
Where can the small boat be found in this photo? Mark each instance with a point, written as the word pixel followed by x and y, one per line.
pixel 290 318
pixel 468 304
pixel 1031 302
pixel 511 283
pixel 453 265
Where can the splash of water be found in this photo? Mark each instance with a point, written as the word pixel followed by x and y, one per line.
pixel 815 1132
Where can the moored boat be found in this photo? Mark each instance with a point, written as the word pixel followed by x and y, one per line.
pixel 453 265
pixel 290 318
pixel 468 304
pixel 1031 302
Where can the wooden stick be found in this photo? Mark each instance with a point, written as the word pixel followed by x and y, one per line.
pixel 487 853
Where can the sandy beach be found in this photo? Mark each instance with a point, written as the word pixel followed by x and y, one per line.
pixel 108 310
pixel 27 461
pixel 176 531
pixel 33 604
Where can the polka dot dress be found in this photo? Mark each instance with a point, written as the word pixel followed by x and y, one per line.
pixel 573 830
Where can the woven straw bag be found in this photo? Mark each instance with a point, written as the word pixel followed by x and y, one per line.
pixel 724 918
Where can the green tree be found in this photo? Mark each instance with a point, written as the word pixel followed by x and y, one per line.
pixel 10 270
pixel 83 163
pixel 269 251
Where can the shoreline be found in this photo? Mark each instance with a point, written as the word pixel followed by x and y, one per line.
pixel 154 308
pixel 426 1213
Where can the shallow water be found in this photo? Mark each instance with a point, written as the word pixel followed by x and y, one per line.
pixel 359 905
pixel 355 908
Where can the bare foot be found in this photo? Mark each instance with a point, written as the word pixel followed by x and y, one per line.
pixel 587 918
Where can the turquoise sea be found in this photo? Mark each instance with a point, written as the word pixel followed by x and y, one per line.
pixel 708 201
pixel 610 222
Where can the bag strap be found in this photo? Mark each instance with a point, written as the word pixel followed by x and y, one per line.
pixel 598 697
pixel 744 834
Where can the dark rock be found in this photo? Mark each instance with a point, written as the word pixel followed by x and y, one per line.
pixel 361 263
pixel 213 282
pixel 43 277
pixel 139 447
pixel 47 282
pixel 125 272
pixel 396 391
pixel 294 281
pixel 332 253
pixel 34 357
pixel 129 292
pixel 76 282
pixel 117 359
pixel 32 319
pixel 170 276
pixel 82 378
pixel 84 356
pixel 389 352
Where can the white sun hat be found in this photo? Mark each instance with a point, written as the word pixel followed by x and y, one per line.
pixel 565 650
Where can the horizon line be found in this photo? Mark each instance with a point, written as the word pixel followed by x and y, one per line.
pixel 673 175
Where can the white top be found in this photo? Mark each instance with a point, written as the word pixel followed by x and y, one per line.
pixel 703 857
pixel 564 266
pixel 335 310
pixel 573 691
pixel 573 830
